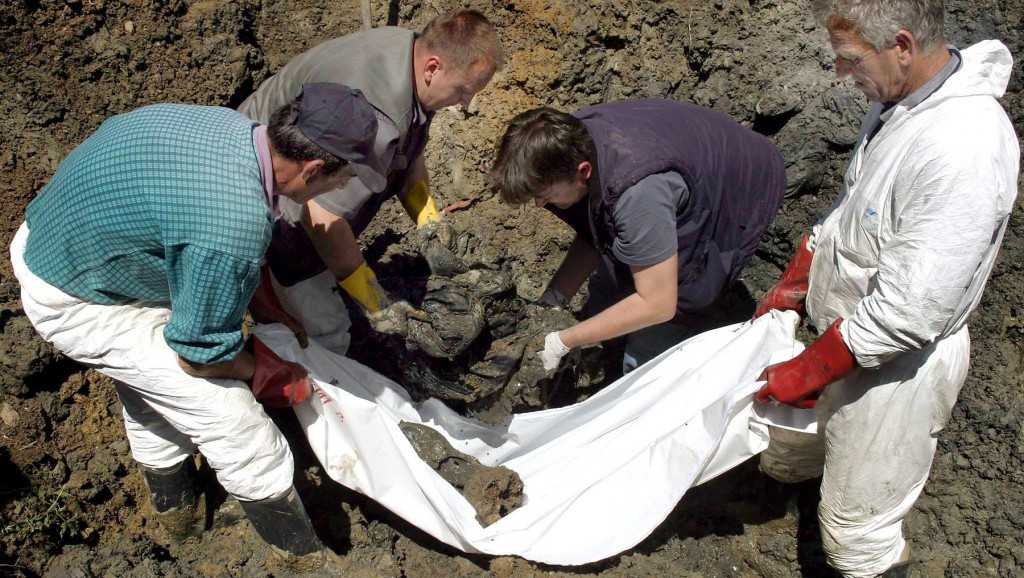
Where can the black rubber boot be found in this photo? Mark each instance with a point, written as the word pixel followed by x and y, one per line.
pixel 285 526
pixel 901 570
pixel 174 493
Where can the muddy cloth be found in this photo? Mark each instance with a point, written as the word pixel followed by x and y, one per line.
pixel 903 256
pixel 168 413
pixel 736 181
pixel 166 204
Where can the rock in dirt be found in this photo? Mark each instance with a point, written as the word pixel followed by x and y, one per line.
pixel 9 415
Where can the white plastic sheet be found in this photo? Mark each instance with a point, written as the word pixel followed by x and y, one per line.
pixel 599 476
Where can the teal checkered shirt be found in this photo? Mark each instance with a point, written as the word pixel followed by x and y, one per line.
pixel 161 204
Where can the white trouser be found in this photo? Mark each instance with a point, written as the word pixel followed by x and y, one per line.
pixel 316 303
pixel 167 412
pixel 876 439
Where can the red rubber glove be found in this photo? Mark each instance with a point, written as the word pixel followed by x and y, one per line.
pixel 791 290
pixel 265 307
pixel 799 381
pixel 277 382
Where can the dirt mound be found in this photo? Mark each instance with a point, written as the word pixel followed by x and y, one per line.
pixel 71 501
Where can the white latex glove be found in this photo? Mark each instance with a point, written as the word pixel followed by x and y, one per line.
pixel 552 298
pixel 554 350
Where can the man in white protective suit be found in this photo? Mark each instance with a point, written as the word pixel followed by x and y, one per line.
pixel 892 272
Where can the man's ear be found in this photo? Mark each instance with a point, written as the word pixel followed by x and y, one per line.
pixel 906 46
pixel 432 66
pixel 311 169
pixel 583 171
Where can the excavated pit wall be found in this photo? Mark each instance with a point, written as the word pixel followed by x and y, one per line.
pixel 71 502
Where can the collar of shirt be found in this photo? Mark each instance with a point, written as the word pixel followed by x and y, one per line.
pixel 262 144
pixel 928 88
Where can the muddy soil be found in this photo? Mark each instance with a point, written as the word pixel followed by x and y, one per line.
pixel 71 501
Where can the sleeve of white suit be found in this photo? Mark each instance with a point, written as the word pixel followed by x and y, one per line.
pixel 950 209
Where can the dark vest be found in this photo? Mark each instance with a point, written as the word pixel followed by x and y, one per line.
pixel 736 179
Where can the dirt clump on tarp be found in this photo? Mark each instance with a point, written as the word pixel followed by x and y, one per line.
pixel 72 502
pixel 494 491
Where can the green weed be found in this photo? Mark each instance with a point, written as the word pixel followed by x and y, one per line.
pixel 55 519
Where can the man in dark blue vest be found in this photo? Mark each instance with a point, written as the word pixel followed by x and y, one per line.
pixel 668 201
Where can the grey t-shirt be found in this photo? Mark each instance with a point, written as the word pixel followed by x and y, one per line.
pixel 645 219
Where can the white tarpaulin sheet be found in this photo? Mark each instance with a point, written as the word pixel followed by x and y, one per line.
pixel 599 476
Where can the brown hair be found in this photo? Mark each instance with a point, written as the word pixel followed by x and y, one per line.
pixel 541 147
pixel 465 38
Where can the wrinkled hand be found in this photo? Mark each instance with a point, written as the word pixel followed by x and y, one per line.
pixel 278 383
pixel 553 352
pixel 552 298
pixel 394 319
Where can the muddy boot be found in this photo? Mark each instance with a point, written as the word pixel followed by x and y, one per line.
pixel 175 496
pixel 285 527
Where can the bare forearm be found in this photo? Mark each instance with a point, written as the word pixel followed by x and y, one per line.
pixel 334 240
pixel 241 367
pixel 417 172
pixel 653 302
pixel 626 316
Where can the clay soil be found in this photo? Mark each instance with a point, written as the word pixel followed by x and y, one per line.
pixel 72 502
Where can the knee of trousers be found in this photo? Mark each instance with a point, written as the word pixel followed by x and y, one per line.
pixel 247 451
pixel 793 457
pixel 863 547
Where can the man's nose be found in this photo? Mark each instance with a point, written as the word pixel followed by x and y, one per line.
pixel 465 100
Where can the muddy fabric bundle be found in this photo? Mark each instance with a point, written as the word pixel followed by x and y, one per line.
pixel 599 475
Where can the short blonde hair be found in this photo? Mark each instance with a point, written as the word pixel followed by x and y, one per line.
pixel 464 38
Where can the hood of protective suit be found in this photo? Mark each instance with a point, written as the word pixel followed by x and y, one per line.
pixel 904 253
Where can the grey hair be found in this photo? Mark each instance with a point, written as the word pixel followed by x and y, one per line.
pixel 878 21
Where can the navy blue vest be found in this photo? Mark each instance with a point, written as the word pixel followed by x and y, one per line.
pixel 736 179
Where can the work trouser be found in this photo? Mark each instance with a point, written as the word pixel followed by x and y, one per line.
pixel 168 413
pixel 876 439
pixel 317 304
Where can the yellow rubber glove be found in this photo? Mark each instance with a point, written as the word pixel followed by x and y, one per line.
pixel 384 315
pixel 362 285
pixel 420 205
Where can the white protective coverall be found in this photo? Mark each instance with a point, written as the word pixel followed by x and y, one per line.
pixel 903 256
pixel 167 412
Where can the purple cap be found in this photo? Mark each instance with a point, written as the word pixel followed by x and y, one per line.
pixel 341 121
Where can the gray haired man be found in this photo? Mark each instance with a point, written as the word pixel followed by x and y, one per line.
pixel 893 270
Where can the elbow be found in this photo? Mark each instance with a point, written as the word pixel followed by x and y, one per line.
pixel 665 311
